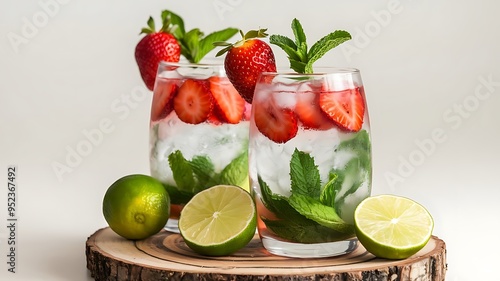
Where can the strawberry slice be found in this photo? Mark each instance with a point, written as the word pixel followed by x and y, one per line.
pixel 277 124
pixel 162 100
pixel 310 114
pixel 346 108
pixel 229 104
pixel 193 102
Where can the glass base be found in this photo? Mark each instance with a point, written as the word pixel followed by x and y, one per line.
pixel 172 226
pixel 317 250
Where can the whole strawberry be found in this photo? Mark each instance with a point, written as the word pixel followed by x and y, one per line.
pixel 246 60
pixel 156 46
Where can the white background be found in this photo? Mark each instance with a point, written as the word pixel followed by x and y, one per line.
pixel 68 66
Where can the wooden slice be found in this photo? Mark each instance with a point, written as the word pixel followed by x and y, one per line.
pixel 165 256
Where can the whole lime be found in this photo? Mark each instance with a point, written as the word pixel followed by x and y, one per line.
pixel 136 206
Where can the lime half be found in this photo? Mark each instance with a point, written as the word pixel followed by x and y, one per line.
pixel 219 220
pixel 392 227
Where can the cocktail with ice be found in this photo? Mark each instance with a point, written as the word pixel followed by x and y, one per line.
pixel 198 132
pixel 310 160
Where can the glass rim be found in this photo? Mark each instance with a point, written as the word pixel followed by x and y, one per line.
pixel 185 63
pixel 323 70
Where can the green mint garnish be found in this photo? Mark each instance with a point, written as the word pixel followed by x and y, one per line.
pixel 314 210
pixel 182 171
pixel 204 173
pixel 276 203
pixel 302 216
pixel 359 143
pixel 177 196
pixel 304 175
pixel 193 176
pixel 329 192
pixel 237 171
pixel 302 59
pixel 356 171
pixel 291 224
pixel 194 44
pixel 311 212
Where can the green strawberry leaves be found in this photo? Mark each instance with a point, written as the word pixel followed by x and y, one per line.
pixel 194 44
pixel 301 59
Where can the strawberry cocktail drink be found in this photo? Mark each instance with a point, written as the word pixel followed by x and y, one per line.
pixel 310 160
pixel 198 132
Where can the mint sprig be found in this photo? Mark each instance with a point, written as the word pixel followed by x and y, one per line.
pixel 304 175
pixel 301 59
pixel 197 174
pixel 194 44
pixel 311 212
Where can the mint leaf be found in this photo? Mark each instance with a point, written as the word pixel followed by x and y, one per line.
pixel 329 192
pixel 291 224
pixel 207 44
pixel 325 44
pixel 203 169
pixel 304 231
pixel 178 196
pixel 286 44
pixel 357 170
pixel 359 143
pixel 314 210
pixel 355 173
pixel 182 171
pixel 236 171
pixel 300 36
pixel 275 203
pixel 304 175
pixel 301 60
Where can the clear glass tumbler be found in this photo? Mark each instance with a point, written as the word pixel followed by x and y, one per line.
pixel 198 132
pixel 310 160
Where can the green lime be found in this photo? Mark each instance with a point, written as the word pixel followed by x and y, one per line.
pixel 136 206
pixel 392 227
pixel 219 220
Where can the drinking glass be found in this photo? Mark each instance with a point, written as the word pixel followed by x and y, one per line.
pixel 309 160
pixel 193 145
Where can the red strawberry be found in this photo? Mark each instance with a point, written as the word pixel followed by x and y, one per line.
pixel 156 47
pixel 346 108
pixel 310 114
pixel 246 60
pixel 229 104
pixel 162 100
pixel 193 102
pixel 278 124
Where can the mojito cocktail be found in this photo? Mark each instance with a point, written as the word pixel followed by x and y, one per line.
pixel 310 160
pixel 198 132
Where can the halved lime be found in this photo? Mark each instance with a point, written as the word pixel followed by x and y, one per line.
pixel 392 227
pixel 219 220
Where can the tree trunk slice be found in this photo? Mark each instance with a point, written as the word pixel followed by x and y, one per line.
pixel 165 256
